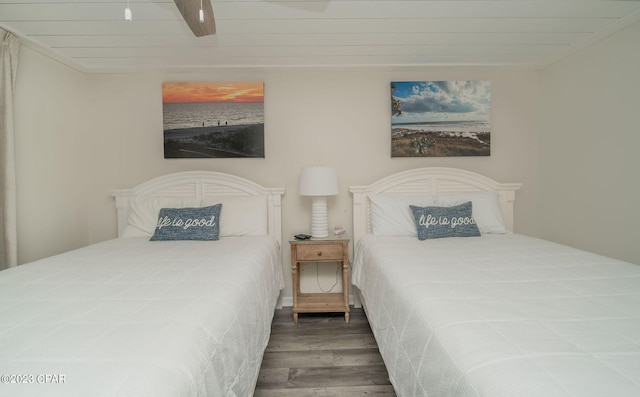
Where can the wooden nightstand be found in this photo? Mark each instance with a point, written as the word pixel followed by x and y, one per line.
pixel 326 250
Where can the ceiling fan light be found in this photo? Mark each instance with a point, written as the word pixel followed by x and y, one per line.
pixel 201 15
pixel 128 15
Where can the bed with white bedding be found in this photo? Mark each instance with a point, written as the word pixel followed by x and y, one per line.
pixel 496 315
pixel 133 317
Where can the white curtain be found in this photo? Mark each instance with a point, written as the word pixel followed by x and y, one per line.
pixel 9 49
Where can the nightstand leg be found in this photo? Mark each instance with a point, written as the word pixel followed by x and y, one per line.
pixel 345 287
pixel 295 318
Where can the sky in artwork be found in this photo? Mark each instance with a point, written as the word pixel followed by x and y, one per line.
pixel 434 101
pixel 190 92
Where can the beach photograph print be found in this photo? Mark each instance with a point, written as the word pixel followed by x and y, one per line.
pixel 440 118
pixel 213 120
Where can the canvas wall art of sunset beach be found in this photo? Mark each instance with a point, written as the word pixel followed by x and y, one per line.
pixel 213 119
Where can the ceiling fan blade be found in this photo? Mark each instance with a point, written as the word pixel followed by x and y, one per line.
pixel 190 10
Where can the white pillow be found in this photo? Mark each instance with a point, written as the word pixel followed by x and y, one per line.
pixel 486 209
pixel 143 215
pixel 241 215
pixel 391 215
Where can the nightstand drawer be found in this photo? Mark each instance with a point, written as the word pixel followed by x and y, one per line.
pixel 319 251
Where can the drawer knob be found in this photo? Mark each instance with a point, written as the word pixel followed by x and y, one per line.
pixel 319 253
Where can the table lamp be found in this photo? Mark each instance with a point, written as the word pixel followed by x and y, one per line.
pixel 319 182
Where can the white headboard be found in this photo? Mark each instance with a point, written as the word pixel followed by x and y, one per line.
pixel 199 185
pixel 431 180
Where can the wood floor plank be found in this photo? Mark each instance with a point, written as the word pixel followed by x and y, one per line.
pixel 322 356
pixel 338 376
pixel 301 359
pixel 320 342
pixel 273 378
pixel 313 324
pixel 352 391
pixel 351 357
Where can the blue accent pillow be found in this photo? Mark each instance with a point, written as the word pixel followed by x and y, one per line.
pixel 440 222
pixel 188 224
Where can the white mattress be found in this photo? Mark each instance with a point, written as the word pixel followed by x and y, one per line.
pixel 501 315
pixel 129 317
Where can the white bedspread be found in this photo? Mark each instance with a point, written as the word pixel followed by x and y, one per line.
pixel 129 317
pixel 501 316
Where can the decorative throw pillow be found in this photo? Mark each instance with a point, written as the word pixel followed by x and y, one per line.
pixel 439 222
pixel 188 224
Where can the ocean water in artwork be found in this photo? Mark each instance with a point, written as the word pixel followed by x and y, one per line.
pixel 205 114
pixel 447 126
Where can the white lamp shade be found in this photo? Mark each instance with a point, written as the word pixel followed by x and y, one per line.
pixel 318 181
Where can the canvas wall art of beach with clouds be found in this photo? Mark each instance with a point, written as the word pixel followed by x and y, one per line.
pixel 440 118
pixel 213 119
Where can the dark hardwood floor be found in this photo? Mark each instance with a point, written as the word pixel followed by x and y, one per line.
pixel 322 356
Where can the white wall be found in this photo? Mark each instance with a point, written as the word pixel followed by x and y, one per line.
pixel 51 157
pixel 78 136
pixel 334 117
pixel 589 142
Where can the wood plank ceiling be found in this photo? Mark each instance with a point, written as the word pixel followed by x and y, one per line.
pixel 92 35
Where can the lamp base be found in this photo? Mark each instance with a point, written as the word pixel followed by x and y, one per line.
pixel 319 218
